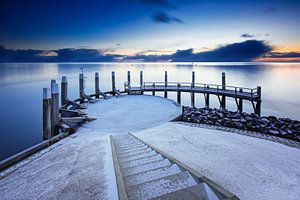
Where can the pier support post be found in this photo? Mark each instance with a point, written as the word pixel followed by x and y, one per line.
pixel 46 113
pixel 166 84
pixel 141 82
pixel 223 97
pixel 206 96
pixel 64 90
pixel 178 94
pixel 258 103
pixel 113 82
pixel 193 93
pixel 153 91
pixel 97 85
pixel 54 109
pixel 81 88
pixel 240 105
pixel 128 78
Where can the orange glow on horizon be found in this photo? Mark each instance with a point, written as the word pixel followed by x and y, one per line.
pixel 297 59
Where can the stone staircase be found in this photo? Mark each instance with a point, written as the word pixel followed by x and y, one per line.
pixel 145 173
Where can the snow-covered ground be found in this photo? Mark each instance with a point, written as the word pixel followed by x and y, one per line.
pixel 249 167
pixel 80 166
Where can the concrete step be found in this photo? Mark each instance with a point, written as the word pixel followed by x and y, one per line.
pixel 137 156
pixel 150 175
pixel 197 192
pixel 161 186
pixel 145 167
pixel 133 150
pixel 130 147
pixel 140 161
pixel 132 153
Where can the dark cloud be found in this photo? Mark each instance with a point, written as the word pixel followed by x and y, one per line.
pixel 243 51
pixel 162 17
pixel 283 55
pixel 247 35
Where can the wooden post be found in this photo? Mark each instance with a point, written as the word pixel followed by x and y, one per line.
pixel 97 85
pixel 46 113
pixel 113 82
pixel 206 98
pixel 128 77
pixel 81 88
pixel 166 84
pixel 153 91
pixel 64 90
pixel 258 103
pixel 141 82
pixel 240 108
pixel 223 97
pixel 54 109
pixel 178 94
pixel 193 93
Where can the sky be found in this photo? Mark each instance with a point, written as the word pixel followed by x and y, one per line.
pixel 150 27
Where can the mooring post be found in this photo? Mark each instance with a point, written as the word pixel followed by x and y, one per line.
pixel 97 85
pixel 54 109
pixel 207 98
pixel 258 103
pixel 46 113
pixel 240 108
pixel 113 83
pixel 223 98
pixel 178 94
pixel 141 82
pixel 166 84
pixel 64 90
pixel 193 93
pixel 153 91
pixel 81 88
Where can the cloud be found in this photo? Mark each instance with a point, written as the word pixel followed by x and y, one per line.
pixel 247 35
pixel 162 17
pixel 283 55
pixel 243 51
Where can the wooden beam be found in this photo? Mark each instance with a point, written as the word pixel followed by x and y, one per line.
pixel 166 84
pixel 258 102
pixel 240 106
pixel 81 87
pixel 113 82
pixel 141 82
pixel 192 87
pixel 64 90
pixel 223 97
pixel 97 85
pixel 178 94
pixel 54 109
pixel 46 113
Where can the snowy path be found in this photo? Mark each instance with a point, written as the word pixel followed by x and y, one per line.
pixel 80 166
pixel 249 167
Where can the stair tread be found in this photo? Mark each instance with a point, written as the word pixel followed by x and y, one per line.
pixel 150 175
pixel 161 186
pixel 200 191
pixel 137 156
pixel 140 161
pixel 132 153
pixel 145 167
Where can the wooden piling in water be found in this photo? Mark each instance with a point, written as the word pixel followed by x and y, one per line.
pixel 166 84
pixel 54 109
pixel 97 85
pixel 240 105
pixel 192 87
pixel 64 90
pixel 141 82
pixel 258 103
pixel 153 91
pixel 46 113
pixel 206 97
pixel 178 94
pixel 113 82
pixel 81 88
pixel 223 97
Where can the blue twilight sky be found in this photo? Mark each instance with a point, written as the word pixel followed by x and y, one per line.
pixel 148 26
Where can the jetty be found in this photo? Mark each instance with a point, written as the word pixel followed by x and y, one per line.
pixel 61 119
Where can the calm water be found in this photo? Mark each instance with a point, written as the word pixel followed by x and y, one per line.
pixel 21 90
